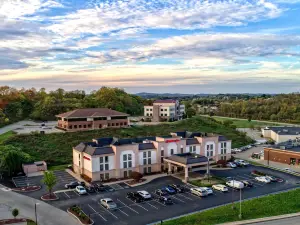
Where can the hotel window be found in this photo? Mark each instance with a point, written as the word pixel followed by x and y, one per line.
pixel 147 114
pixel 117 124
pixel 223 147
pixel 104 165
pixel 75 126
pixel 107 176
pixel 161 110
pixel 127 161
pixel 79 126
pixel 147 109
pixel 84 126
pixel 149 169
pixel 192 149
pixel 70 127
pixel 172 151
pixel 209 150
pixel 150 109
pixel 166 114
pixel 146 158
pixel 166 110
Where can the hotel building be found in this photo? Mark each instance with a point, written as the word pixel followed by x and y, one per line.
pixel 106 158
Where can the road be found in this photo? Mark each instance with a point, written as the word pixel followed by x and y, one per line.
pixel 46 214
pixel 287 221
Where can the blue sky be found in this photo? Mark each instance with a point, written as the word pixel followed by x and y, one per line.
pixel 182 46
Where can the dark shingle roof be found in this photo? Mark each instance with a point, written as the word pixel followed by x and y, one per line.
pixel 91 148
pixel 93 112
pixel 286 130
pixel 188 158
pixel 192 141
pixel 144 146
pixel 187 134
pixel 223 138
pixel 291 145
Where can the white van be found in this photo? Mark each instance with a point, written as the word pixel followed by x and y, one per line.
pixel 235 184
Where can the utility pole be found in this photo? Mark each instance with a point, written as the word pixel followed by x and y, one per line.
pixel 240 215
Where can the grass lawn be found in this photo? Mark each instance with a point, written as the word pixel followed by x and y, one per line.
pixel 272 205
pixel 56 148
pixel 5 136
pixel 245 123
pixel 31 223
pixel 58 167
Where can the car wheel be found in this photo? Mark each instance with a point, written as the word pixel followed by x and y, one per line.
pixel 135 201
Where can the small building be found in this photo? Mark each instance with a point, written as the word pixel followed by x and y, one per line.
pixel 35 167
pixel 286 152
pixel 281 134
pixel 164 110
pixel 111 157
pixel 91 119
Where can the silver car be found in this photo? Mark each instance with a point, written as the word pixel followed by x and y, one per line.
pixel 108 203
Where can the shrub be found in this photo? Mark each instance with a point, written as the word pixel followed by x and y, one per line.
pixel 15 213
pixel 86 178
pixel 136 176
pixel 222 163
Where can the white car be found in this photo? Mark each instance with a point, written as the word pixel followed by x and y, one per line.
pixel 237 150
pixel 231 164
pixel 241 162
pixel 249 146
pixel 80 190
pixel 199 192
pixel 108 203
pixel 208 190
pixel 145 195
pixel 220 187
pixel 235 184
pixel 263 179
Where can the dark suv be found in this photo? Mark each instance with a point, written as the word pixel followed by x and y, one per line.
pixel 74 184
pixel 134 196
pixel 165 200
pixel 178 188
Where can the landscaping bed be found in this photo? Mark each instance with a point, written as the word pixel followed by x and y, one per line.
pixel 258 173
pixel 133 182
pixel 80 215
pixel 271 205
pixel 27 189
pixel 13 221
pixel 207 183
pixel 49 197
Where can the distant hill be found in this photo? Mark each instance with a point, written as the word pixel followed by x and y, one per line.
pixel 168 95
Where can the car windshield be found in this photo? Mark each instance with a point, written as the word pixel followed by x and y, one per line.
pixel 110 202
pixel 81 188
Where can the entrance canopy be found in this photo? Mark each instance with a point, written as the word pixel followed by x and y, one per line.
pixel 187 160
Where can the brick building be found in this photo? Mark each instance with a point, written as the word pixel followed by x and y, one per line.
pixel 285 152
pixel 90 119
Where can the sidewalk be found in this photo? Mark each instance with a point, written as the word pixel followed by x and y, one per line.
pixel 259 220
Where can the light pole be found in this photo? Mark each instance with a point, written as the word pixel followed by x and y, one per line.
pixel 35 204
pixel 240 215
pixel 232 193
pixel 207 170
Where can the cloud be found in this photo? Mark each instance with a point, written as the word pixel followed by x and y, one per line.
pixel 107 16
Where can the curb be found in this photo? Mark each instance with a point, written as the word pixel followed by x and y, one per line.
pixel 79 219
pixel 21 191
pixel 46 200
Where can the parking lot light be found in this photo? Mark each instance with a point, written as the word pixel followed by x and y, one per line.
pixel 35 212
pixel 240 215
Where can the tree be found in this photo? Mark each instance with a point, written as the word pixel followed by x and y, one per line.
pixel 249 118
pixel 136 176
pixel 49 180
pixel 190 112
pixel 15 213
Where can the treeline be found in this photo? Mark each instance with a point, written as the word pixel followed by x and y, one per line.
pixel 281 108
pixel 18 104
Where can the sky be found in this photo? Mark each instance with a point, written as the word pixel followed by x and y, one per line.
pixel 157 46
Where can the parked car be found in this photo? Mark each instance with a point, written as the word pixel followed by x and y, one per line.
pixel 145 195
pixel 178 188
pixel 235 184
pixel 80 190
pixel 247 183
pixel 208 190
pixel 165 200
pixel 249 146
pixel 263 179
pixel 134 196
pixel 161 192
pixel 231 164
pixel 98 187
pixel 199 192
pixel 241 162
pixel 170 190
pixel 108 203
pixel 237 150
pixel 220 187
pixel 272 179
pixel 74 184
pixel 90 189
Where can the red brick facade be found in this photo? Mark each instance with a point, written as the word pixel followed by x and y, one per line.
pixel 282 156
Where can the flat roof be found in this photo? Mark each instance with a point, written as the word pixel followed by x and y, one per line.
pixel 285 130
pixel 188 158
pixel 92 112
pixel 292 145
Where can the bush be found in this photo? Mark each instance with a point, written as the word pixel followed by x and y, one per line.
pixel 136 176
pixel 15 213
pixel 222 163
pixel 86 178
pixel 255 172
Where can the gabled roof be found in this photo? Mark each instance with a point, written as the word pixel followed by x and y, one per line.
pixel 192 141
pixel 91 148
pixel 223 138
pixel 93 112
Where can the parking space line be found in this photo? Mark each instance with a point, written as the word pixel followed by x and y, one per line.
pixel 108 211
pixel 66 194
pixel 176 198
pixel 151 205
pixel 184 196
pixel 123 212
pixel 76 193
pixel 97 212
pixel 141 207
pixel 127 206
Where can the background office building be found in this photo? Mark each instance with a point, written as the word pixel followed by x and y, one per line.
pixel 106 158
pixel 90 119
pixel 164 110
pixel 281 134
pixel 286 152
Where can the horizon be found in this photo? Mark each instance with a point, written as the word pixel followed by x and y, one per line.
pixel 161 46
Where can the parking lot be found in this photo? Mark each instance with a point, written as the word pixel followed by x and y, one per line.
pixel 129 212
